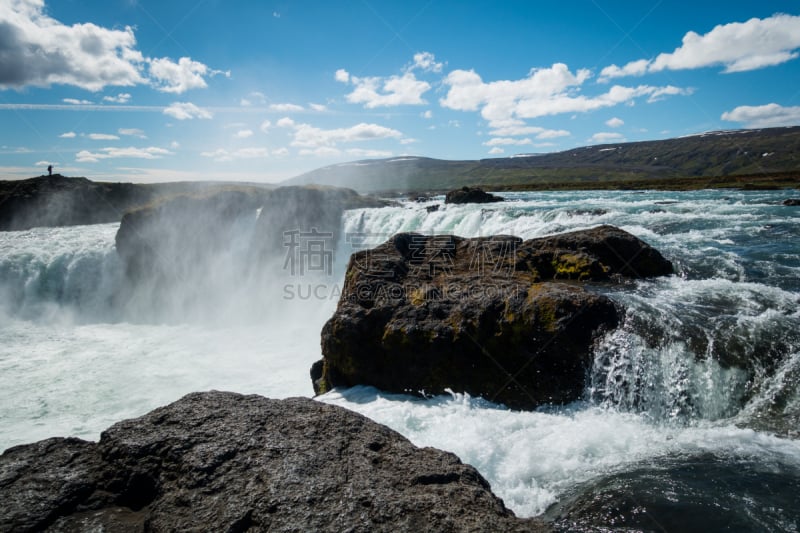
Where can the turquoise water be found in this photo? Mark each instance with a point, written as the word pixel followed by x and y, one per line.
pixel 690 417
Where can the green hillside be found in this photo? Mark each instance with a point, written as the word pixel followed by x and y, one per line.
pixel 773 151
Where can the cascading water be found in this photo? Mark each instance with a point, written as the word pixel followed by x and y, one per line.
pixel 696 392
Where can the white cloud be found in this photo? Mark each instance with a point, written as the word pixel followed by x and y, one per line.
pixel 322 151
pixel 186 111
pixel 360 152
pixel 68 135
pixel 121 98
pixel 614 122
pixel 38 50
pixel 85 156
pixel 280 152
pixel 604 137
pixel 222 155
pixel 253 96
pixel 496 150
pixel 409 140
pixel 501 141
pixel 738 46
pixel 764 116
pixel 102 137
pixel 265 126
pixel 342 76
pixel 75 101
pixel 286 108
pixel 306 135
pixel 387 92
pixel 317 107
pixel 285 122
pixel 174 145
pixel 133 132
pixel 426 61
pixel 514 127
pixel 427 114
pixel 546 91
pixel 171 77
pixel 243 134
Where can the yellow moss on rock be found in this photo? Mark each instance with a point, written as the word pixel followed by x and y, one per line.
pixel 572 266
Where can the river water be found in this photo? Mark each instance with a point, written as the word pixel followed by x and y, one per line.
pixel 690 421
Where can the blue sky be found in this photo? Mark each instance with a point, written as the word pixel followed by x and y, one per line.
pixel 259 90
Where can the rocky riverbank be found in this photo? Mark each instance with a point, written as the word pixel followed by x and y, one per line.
pixel 221 461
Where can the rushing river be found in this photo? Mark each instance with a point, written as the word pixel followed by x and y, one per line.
pixel 691 420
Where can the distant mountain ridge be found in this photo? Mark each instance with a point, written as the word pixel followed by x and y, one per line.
pixel 709 154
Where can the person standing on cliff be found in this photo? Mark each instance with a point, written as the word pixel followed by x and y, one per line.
pixel 49 170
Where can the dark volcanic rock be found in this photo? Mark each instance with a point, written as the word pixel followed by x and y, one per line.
pixel 791 202
pixel 226 462
pixel 60 201
pixel 487 316
pixel 470 195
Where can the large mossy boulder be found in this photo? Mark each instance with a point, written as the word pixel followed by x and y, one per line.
pixel 225 462
pixel 496 317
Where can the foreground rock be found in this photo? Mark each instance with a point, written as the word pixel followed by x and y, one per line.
pixel 470 195
pixel 226 462
pixel 792 202
pixel 495 317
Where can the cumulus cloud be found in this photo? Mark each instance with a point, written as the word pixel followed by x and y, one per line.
pixel 121 98
pixel 342 76
pixel 317 107
pixel 605 136
pixel 285 122
pixel 152 152
pixel 243 134
pixel 68 135
pixel 171 77
pixel 186 111
pixel 496 150
pixel 426 61
pixel 738 47
pixel 265 126
pixel 545 91
pixel 614 122
pixel 102 137
pixel 388 92
pixel 764 116
pixel 309 136
pixel 38 50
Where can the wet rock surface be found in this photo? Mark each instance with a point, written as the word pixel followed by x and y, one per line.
pixel 220 461
pixel 470 195
pixel 496 317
